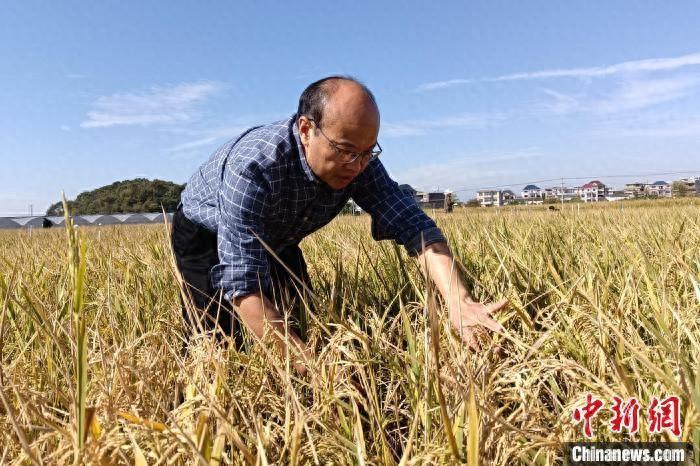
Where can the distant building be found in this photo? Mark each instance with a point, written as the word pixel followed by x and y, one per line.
pixel 8 223
pixel 615 196
pixel 426 199
pixel 96 220
pixel 29 222
pixel 351 207
pixel 595 191
pixel 659 189
pixel 633 190
pixel 562 193
pixel 489 197
pixel 693 185
pixel 431 200
pixel 494 197
pixel 532 193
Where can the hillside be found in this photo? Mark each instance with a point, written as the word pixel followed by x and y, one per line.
pixel 138 195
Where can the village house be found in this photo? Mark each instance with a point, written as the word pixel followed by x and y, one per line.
pixel 656 189
pixel 489 197
pixel 426 199
pixel 693 185
pixel 633 190
pixel 659 189
pixel 431 199
pixel 532 192
pixel 493 197
pixel 595 191
pixel 564 193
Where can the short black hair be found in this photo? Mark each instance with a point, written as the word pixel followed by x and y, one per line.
pixel 312 101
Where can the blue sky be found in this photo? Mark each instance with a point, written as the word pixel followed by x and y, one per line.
pixel 471 94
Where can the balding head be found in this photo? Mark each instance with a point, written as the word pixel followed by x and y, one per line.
pixel 338 97
pixel 348 103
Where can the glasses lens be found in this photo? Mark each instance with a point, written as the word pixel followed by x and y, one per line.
pixel 347 157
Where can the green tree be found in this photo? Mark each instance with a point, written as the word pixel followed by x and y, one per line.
pixel 679 189
pixel 472 203
pixel 130 196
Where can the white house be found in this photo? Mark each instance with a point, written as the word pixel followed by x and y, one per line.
pixel 595 191
pixel 659 189
pixel 532 192
pixel 493 197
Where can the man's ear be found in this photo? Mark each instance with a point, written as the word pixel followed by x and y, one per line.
pixel 305 126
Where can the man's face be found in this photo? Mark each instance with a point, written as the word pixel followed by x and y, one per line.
pixel 354 128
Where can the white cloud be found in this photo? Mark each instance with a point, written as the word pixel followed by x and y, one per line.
pixel 653 126
pixel 398 130
pixel 187 146
pixel 630 95
pixel 208 138
pixel 205 139
pixel 420 127
pixel 560 103
pixel 680 129
pixel 160 105
pixel 651 64
pixel 472 170
pixel 443 84
pixel 65 128
pixel 633 95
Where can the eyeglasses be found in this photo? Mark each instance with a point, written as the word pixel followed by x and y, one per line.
pixel 348 157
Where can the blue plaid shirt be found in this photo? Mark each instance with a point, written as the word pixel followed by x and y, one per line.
pixel 260 182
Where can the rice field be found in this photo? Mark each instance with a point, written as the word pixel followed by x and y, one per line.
pixel 603 300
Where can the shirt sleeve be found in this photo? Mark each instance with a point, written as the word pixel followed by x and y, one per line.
pixel 243 267
pixel 395 214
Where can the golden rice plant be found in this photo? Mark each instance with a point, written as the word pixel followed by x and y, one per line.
pixel 604 299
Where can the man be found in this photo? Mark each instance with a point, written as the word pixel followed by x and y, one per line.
pixel 273 185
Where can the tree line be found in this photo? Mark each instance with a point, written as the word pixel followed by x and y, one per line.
pixel 123 197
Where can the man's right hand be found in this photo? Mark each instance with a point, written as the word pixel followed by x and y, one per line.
pixel 256 311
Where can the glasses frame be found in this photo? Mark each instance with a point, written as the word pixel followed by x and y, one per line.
pixel 371 155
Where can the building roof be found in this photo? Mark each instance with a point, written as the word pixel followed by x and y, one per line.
pixel 660 183
pixel 530 187
pixel 154 217
pixel 7 223
pixel 78 220
pixel 22 221
pixel 91 218
pixel 26 222
pixel 594 184
pixel 56 220
pixel 106 220
pixel 94 219
pixel 132 218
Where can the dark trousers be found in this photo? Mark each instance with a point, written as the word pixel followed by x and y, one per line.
pixel 196 252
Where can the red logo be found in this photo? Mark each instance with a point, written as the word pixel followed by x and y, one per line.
pixel 625 415
pixel 587 412
pixel 665 415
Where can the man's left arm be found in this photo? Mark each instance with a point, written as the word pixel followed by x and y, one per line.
pixel 396 215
